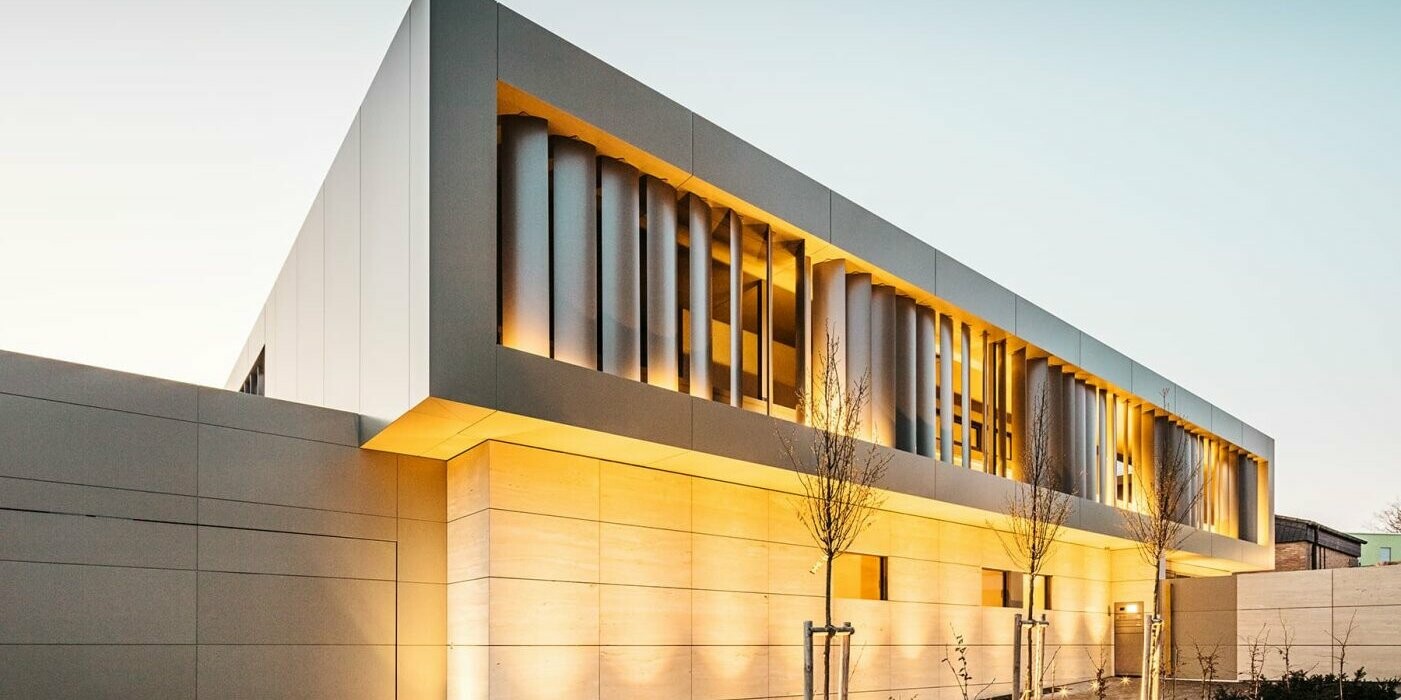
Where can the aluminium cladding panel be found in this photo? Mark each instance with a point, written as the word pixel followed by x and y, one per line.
pixel 883 364
pixel 733 165
pixel 969 290
pixel 1044 330
pixel 829 320
pixel 385 173
pixel 525 234
pixel 462 200
pixel 420 322
pixel 871 238
pixel 620 269
pixel 663 321
pixel 906 373
pixel 550 68
pixel 926 380
pixel 311 304
pixel 342 276
pixel 574 251
pixel 281 358
pixel 1105 362
pixel 694 219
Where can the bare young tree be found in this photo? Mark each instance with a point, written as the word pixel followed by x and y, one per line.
pixel 1037 510
pixel 1388 519
pixel 1159 524
pixel 1256 647
pixel 1208 663
pixel 1340 644
pixel 837 474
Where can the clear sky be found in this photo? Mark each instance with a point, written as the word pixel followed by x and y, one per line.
pixel 1213 188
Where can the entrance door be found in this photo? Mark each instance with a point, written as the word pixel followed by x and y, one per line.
pixel 1128 638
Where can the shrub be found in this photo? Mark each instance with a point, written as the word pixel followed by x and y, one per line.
pixel 1299 685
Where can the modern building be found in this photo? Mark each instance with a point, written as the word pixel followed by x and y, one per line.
pixel 1379 547
pixel 522 379
pixel 1302 545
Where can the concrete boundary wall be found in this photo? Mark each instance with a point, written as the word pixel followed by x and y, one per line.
pixel 165 540
pixel 1313 609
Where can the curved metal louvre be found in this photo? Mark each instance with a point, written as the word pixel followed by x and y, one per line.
pixel 620 286
pixel 663 333
pixel 574 244
pixel 883 364
pixel 693 222
pixel 858 342
pixel 906 373
pixel 926 380
pixel 525 234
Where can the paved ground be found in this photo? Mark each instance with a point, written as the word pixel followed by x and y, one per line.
pixel 1127 689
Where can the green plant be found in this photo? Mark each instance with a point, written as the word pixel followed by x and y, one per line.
pixel 1301 685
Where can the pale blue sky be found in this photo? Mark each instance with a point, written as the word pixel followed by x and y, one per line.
pixel 1213 188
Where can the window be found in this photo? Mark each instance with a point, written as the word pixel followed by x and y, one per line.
pixel 256 382
pixel 1007 589
pixel 1384 555
pixel 859 576
pixel 1002 589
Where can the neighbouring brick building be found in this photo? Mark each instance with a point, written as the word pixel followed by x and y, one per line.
pixel 1304 544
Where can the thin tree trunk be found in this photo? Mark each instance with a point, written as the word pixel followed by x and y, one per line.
pixel 1030 603
pixel 827 638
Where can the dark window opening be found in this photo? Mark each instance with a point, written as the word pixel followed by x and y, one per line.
pixel 256 381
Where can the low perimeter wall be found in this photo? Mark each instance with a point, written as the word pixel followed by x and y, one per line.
pixel 1307 611
pixel 160 540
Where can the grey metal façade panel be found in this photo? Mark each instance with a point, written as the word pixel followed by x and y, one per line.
pixel 663 318
pixel 1153 388
pixel 1192 407
pixel 261 414
pixel 926 380
pixel 907 370
pixel 620 269
pixel 693 218
pixel 965 288
pixel 1105 362
pixel 1256 441
pixel 384 240
pixel 525 234
pixel 550 68
pixel 559 392
pixel 97 670
pixel 78 604
pixel 282 333
pixel 462 200
pixel 311 304
pixel 75 444
pixel 43 378
pixel 342 276
pixel 728 162
pixel 1044 330
pixel 574 251
pixel 420 245
pixel 856 229
pixel 1226 425
pixel 884 367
